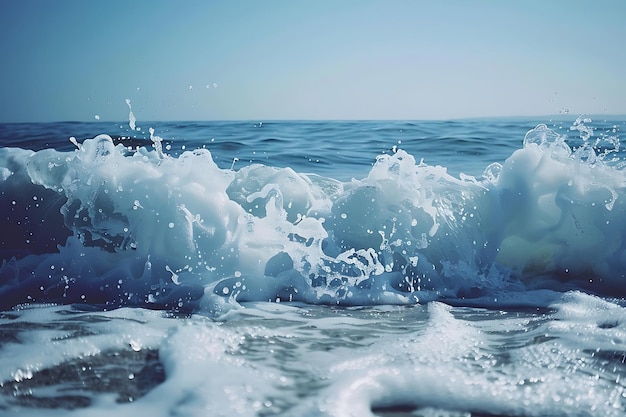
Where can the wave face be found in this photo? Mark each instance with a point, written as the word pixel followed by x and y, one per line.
pixel 114 224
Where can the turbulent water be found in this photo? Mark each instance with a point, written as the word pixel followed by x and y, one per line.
pixel 459 268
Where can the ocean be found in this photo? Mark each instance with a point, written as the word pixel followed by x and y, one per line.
pixel 463 268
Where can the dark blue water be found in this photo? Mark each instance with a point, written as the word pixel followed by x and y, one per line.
pixel 338 149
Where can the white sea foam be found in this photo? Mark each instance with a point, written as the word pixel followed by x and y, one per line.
pixel 549 217
pixel 304 360
pixel 104 227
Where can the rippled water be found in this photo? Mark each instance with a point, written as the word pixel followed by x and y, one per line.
pixel 140 283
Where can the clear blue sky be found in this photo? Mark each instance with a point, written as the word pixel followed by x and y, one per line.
pixel 324 59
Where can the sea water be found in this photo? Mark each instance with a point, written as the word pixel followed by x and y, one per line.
pixel 357 268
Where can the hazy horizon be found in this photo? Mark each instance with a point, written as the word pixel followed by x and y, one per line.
pixel 538 117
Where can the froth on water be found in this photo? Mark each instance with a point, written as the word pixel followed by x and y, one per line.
pixel 412 289
pixel 111 225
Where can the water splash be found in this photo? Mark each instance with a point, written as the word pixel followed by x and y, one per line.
pixel 131 117
pixel 408 231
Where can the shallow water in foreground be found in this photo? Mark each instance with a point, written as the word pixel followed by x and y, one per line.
pixel 486 280
pixel 305 360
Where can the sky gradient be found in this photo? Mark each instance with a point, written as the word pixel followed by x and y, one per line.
pixel 78 60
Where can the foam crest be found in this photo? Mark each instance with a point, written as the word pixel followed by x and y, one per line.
pixel 109 225
pixel 562 215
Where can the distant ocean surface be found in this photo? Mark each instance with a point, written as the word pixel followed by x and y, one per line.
pixel 465 268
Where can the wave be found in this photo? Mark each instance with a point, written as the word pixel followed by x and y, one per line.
pixel 113 225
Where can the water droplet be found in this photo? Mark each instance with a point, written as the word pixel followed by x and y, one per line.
pixel 134 345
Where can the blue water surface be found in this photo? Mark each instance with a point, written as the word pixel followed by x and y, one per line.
pixel 314 268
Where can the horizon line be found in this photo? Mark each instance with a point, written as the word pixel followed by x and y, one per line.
pixel 262 120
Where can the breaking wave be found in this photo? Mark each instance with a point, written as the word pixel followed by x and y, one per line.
pixel 111 225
